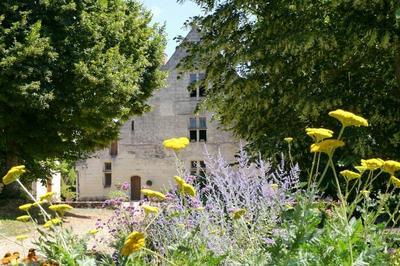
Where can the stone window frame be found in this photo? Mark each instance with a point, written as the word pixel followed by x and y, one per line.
pixel 107 176
pixel 197 92
pixel 197 129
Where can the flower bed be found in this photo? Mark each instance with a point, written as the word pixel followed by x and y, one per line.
pixel 254 213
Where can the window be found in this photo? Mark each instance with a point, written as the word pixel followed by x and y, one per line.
pixel 107 167
pixel 107 179
pixel 114 148
pixel 198 168
pixel 195 91
pixel 107 174
pixel 198 129
pixel 133 125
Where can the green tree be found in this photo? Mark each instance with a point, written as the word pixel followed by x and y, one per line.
pixel 71 73
pixel 274 68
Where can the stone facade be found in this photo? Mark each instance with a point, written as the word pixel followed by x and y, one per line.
pixel 141 157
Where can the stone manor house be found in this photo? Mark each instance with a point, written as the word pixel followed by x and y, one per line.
pixel 138 156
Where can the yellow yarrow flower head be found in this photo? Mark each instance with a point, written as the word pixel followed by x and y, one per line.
pixel 179 181
pixel 236 214
pixel 93 232
pixel 36 204
pixel 288 139
pixel 395 181
pixel 47 196
pixel 21 237
pixel 319 134
pixel 350 175
pixel 153 194
pixel 24 218
pixel 348 118
pixel 60 208
pixel 150 209
pixel 326 146
pixel 391 167
pixel 372 164
pixel 13 174
pixel 365 193
pixel 134 242
pixel 274 186
pixel 25 207
pixel 361 169
pixel 54 221
pixel 176 144
pixel 189 190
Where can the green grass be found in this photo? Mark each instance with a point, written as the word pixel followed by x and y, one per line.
pixel 8 212
pixel 12 228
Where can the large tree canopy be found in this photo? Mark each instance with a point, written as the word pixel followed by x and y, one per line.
pixel 276 67
pixel 71 72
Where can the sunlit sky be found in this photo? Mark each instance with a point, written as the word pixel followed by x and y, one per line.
pixel 174 15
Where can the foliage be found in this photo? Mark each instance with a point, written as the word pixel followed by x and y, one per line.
pixel 275 67
pixel 71 73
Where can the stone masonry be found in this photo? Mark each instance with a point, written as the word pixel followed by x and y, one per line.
pixel 141 159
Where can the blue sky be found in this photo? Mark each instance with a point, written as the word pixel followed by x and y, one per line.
pixel 174 15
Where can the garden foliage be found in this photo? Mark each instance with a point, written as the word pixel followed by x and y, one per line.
pixel 247 213
pixel 273 68
pixel 71 73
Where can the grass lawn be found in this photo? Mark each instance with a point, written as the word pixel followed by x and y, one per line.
pixel 14 228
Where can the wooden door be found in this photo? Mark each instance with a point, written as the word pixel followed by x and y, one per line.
pixel 135 187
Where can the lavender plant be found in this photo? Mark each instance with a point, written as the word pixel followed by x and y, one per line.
pixel 230 218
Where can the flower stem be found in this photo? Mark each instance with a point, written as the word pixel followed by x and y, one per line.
pixel 34 200
pixel 158 255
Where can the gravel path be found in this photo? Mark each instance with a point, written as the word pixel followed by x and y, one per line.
pixel 80 220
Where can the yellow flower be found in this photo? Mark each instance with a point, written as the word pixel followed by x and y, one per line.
pixel 54 221
pixel 361 169
pixel 274 186
pixel 47 196
pixel 134 242
pixel 179 181
pixel 348 118
pixel 372 164
pixel 36 204
pixel 350 175
pixel 319 134
pixel 176 144
pixel 23 218
pixel 189 190
pixel 391 167
pixel 93 232
pixel 60 208
pixel 395 181
pixel 153 194
pixel 21 237
pixel 327 146
pixel 13 174
pixel 236 214
pixel 365 193
pixel 25 207
pixel 150 209
pixel 288 139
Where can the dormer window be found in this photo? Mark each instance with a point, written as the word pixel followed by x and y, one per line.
pixel 196 91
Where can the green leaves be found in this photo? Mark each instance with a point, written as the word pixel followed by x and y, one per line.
pixel 284 69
